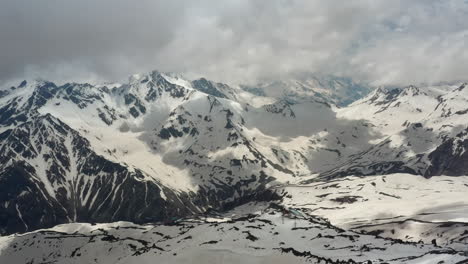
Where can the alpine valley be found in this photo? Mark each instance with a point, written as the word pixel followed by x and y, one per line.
pixel 163 169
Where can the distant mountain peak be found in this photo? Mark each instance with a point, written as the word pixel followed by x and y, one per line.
pixel 340 91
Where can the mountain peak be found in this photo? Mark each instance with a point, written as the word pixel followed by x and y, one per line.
pixel 303 87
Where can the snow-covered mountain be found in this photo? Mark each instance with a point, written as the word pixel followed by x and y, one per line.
pixel 422 131
pixel 71 152
pixel 160 147
pixel 304 87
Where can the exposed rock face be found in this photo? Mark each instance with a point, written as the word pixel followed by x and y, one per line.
pixel 208 87
pixel 450 158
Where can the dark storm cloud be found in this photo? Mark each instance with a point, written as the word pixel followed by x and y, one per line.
pixel 235 40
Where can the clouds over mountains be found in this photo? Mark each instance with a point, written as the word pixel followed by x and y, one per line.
pixel 385 42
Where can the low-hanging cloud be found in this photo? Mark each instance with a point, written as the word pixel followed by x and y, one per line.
pixel 381 41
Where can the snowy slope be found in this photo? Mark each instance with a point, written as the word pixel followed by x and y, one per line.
pixel 266 235
pixel 400 206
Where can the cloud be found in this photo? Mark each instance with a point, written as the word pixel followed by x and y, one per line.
pixel 384 42
pixel 101 37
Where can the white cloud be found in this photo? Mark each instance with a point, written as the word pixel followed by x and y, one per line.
pixel 385 42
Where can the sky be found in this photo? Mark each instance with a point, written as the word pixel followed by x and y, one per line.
pixel 384 42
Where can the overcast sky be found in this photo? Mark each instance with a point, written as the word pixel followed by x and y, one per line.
pixel 382 41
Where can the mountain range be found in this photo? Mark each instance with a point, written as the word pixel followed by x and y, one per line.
pixel 160 147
